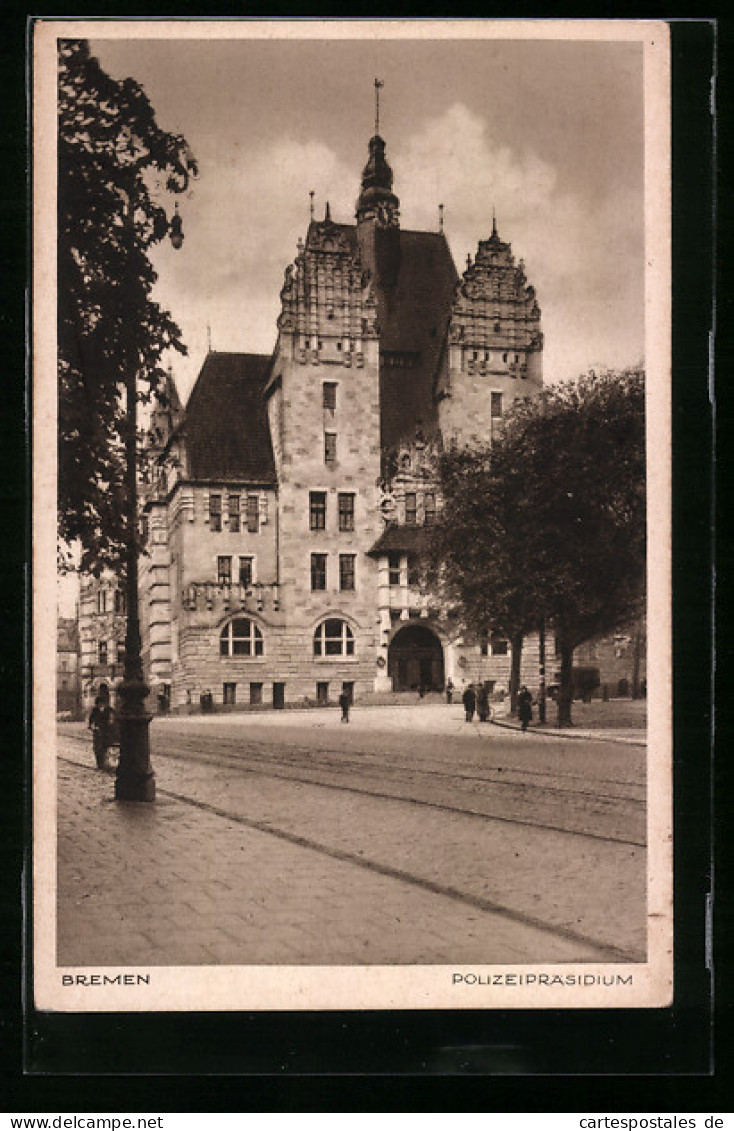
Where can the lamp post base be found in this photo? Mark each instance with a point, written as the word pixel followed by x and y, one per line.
pixel 135 780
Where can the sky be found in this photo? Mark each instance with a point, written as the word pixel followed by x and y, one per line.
pixel 549 133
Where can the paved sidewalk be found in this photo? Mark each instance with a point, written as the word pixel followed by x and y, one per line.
pixel 176 884
pixel 430 718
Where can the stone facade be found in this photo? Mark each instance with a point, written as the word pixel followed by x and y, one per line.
pixel 287 505
pixel 101 637
pixel 68 683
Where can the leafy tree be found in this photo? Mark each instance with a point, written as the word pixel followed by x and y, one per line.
pixel 114 166
pixel 550 521
pixel 478 553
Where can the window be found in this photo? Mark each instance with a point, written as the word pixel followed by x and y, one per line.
pixel 120 652
pixel 241 637
pixel 245 573
pixel 484 648
pixel 348 689
pixel 215 512
pixel 317 510
pixel 229 694
pixel 346 571
pixel 322 694
pixel 333 638
pixel 224 570
pixel 256 694
pixel 101 600
pixel 411 508
pixel 499 645
pixel 495 405
pixel 253 516
pixel 120 603
pixel 330 394
pixel 414 571
pixel 346 512
pixel 318 571
pixel 233 508
pixel 429 509
pixel 393 565
pixel 102 651
pixel 330 449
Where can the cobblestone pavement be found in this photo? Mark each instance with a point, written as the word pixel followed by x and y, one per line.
pixel 240 862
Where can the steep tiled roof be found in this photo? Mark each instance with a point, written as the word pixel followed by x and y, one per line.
pixel 400 539
pixel 413 318
pixel 66 637
pixel 226 428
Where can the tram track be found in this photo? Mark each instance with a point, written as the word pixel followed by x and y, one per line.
pixel 510 776
pixel 261 764
pixel 599 951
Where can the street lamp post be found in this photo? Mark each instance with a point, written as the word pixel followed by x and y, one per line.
pixel 135 780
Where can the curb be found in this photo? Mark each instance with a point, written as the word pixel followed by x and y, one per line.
pixel 579 734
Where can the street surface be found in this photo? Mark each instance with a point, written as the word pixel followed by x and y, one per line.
pixel 405 836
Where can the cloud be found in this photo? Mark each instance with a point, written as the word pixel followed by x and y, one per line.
pixel 583 253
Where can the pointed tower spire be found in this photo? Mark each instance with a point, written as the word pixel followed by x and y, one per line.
pixel 327 214
pixel 495 236
pixel 377 201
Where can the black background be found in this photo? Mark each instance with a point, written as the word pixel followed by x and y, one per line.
pixel 414 1061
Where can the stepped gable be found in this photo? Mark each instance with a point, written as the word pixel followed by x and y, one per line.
pixel 226 426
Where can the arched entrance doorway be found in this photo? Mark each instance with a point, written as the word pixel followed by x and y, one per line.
pixel 415 659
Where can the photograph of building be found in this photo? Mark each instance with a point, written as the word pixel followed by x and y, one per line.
pixel 322 756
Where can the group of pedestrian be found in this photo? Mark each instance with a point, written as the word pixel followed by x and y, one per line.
pixel 476 698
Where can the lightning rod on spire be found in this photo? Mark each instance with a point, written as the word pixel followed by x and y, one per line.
pixel 378 87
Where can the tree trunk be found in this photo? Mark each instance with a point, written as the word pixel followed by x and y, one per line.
pixel 515 662
pixel 637 657
pixel 565 687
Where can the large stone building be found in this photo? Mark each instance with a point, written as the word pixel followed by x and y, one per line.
pixel 289 502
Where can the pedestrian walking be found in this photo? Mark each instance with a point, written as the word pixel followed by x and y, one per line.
pixel 100 724
pixel 524 707
pixel 345 702
pixel 469 700
pixel 449 691
pixel 482 703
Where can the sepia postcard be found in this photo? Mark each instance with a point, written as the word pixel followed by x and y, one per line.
pixel 351 515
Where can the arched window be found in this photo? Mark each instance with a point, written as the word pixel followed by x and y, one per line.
pixel 241 637
pixel 333 638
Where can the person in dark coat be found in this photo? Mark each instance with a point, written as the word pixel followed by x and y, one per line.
pixel 524 707
pixel 345 702
pixel 482 704
pixel 449 691
pixel 100 722
pixel 469 700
